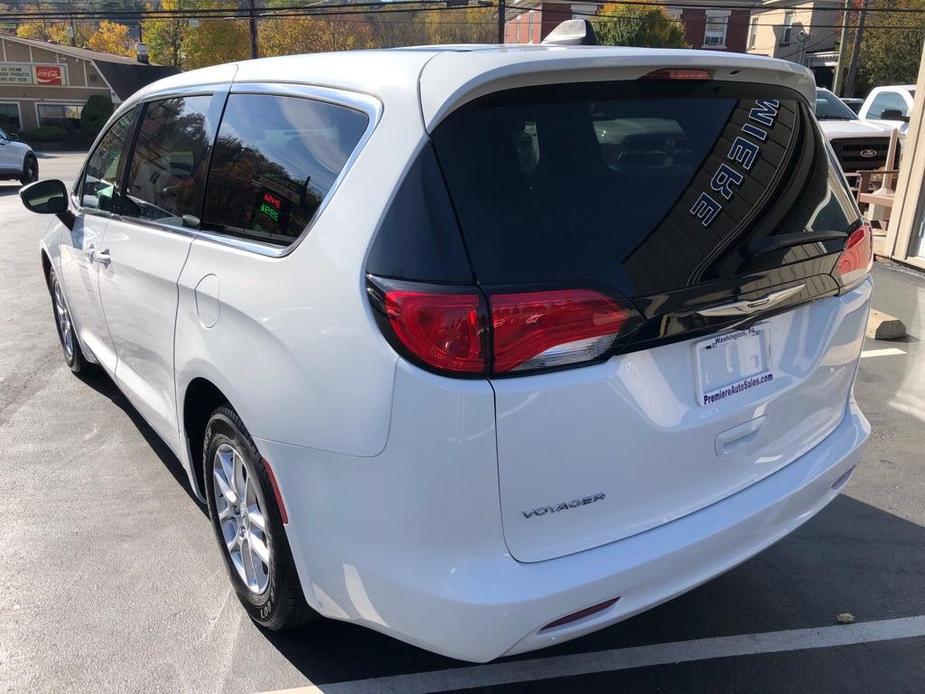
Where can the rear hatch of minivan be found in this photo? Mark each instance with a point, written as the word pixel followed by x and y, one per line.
pixel 660 269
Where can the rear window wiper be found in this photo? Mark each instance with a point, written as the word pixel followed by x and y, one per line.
pixel 770 244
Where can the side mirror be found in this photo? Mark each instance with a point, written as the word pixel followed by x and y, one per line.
pixel 14 137
pixel 47 197
pixel 893 114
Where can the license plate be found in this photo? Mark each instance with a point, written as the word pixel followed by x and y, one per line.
pixel 733 363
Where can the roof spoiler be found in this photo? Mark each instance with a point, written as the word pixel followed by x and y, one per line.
pixel 572 32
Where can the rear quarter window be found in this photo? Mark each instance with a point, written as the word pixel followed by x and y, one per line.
pixel 276 158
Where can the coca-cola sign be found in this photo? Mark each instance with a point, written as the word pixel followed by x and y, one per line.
pixel 30 74
pixel 49 75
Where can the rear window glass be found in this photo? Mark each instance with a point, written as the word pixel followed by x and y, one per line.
pixel 275 160
pixel 643 186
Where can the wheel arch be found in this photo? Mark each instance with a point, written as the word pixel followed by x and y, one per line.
pixel 200 400
pixel 46 264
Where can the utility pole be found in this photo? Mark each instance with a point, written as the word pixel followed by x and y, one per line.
pixel 856 51
pixel 501 9
pixel 252 19
pixel 839 82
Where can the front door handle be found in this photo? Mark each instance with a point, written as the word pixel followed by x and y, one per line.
pixel 102 257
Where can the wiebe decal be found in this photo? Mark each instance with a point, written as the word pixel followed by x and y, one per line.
pixel 744 152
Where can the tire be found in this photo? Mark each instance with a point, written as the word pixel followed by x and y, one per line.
pixel 67 332
pixel 270 592
pixel 30 170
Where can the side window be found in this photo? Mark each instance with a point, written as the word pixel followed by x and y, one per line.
pixel 99 189
pixel 167 173
pixel 885 101
pixel 275 159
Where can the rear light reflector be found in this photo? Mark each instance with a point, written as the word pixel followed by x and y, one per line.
pixel 539 330
pixel 677 74
pixel 857 259
pixel 446 331
pixel 455 330
pixel 581 614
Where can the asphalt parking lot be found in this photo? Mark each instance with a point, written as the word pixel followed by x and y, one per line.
pixel 110 580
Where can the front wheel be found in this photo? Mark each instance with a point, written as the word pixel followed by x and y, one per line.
pixel 30 170
pixel 73 356
pixel 248 526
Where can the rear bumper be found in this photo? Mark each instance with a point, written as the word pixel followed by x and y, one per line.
pixel 477 603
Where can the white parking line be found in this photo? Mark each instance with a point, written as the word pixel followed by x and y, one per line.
pixel 885 352
pixel 495 674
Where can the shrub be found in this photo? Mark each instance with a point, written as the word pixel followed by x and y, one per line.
pixel 94 116
pixel 44 133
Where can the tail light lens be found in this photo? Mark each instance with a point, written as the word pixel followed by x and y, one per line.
pixel 540 330
pixel 858 257
pixel 454 330
pixel 444 330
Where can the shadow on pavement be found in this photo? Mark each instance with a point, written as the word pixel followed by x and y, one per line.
pixel 97 379
pixel 852 557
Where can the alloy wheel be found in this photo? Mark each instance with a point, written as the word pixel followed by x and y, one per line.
pixel 241 517
pixel 65 326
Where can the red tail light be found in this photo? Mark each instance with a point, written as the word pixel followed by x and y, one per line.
pixel 538 330
pixel 446 331
pixel 452 330
pixel 858 257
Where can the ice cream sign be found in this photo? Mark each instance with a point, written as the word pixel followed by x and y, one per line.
pixel 30 74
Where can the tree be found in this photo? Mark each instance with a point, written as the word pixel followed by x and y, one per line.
pixel 638 25
pixel 293 35
pixel 111 37
pixel 215 41
pixel 57 31
pixel 890 50
pixel 164 35
pixel 471 25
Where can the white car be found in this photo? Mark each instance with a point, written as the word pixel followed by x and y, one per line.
pixel 440 366
pixel 891 105
pixel 17 160
pixel 860 145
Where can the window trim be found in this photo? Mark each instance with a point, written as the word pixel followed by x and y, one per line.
pixel 18 106
pixel 212 90
pixel 786 36
pixel 753 32
pixel 76 191
pixel 218 97
pixel 64 102
pixel 357 101
pixel 716 15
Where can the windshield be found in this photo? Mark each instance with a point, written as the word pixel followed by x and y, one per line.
pixel 830 107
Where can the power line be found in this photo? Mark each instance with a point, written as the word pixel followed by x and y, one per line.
pixel 243 13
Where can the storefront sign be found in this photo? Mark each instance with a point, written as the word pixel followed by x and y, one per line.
pixel 48 74
pixel 28 74
pixel 15 73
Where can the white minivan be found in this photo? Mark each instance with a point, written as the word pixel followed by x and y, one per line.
pixel 481 347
